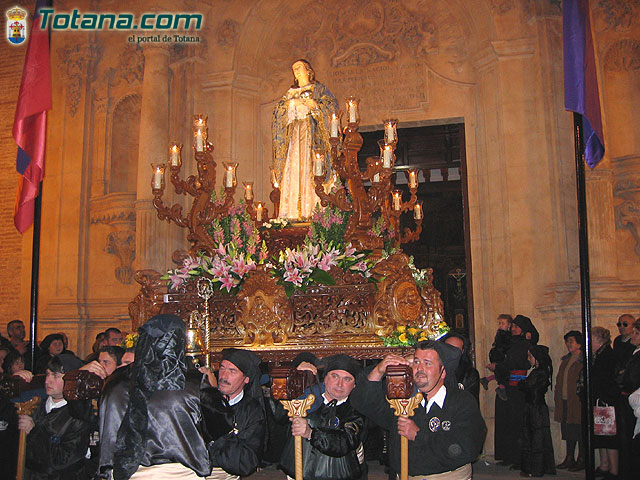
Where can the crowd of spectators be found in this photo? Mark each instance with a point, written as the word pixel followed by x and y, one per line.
pixel 521 367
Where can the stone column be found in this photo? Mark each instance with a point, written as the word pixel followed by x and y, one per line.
pixel 601 223
pixel 154 140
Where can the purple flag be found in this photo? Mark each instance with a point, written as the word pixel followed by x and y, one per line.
pixel 580 80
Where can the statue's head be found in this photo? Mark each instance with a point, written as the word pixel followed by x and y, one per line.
pixel 302 70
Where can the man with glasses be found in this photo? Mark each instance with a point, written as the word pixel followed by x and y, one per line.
pixel 622 347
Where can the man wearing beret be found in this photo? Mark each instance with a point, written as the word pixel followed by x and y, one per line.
pixel 58 432
pixel 446 432
pixel 333 430
pixel 234 418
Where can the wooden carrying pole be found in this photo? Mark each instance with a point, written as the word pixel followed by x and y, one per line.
pixel 26 408
pixel 287 385
pixel 399 386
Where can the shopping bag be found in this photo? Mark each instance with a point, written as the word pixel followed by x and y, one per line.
pixel 604 419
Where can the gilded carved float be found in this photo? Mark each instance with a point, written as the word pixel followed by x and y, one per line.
pixel 348 316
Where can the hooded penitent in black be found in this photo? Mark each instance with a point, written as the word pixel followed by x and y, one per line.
pixel 161 423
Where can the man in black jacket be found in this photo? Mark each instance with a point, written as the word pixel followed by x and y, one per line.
pixel 333 430
pixel 58 432
pixel 234 417
pixel 446 432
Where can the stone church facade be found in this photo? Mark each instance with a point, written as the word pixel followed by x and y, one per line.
pixel 495 65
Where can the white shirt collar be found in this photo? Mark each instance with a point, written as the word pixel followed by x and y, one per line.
pixel 327 401
pixel 636 350
pixel 438 398
pixel 237 398
pixel 50 405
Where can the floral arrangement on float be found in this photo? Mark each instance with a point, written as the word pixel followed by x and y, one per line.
pixel 239 251
pixel 408 336
pixel 324 250
pixel 130 341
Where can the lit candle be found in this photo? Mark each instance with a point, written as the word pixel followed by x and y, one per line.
pixel 199 141
pixel 259 208
pixel 318 165
pixel 388 132
pixel 413 179
pixel 228 177
pixel 158 176
pixel 387 157
pixel 397 199
pixel 417 211
pixel 352 111
pixel 175 155
pixel 274 181
pixel 248 191
pixel 335 125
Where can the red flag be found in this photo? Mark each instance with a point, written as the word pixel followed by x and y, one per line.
pixel 30 122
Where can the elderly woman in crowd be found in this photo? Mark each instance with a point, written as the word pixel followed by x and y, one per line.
pixel 605 393
pixel 568 408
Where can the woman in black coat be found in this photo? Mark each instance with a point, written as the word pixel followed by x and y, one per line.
pixel 536 451
pixel 605 393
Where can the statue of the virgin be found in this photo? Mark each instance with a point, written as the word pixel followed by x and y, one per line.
pixel 300 128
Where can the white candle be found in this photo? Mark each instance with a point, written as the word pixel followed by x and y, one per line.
pixel 413 179
pixel 396 200
pixel 248 192
pixel 335 124
pixel 199 141
pixel 417 211
pixel 157 178
pixel 259 212
pixel 386 157
pixel 318 165
pixel 228 177
pixel 352 112
pixel 175 157
pixel 388 130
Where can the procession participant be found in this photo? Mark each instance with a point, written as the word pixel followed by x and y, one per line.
pixel 446 432
pixel 515 367
pixel 233 415
pixel 58 432
pixel 333 430
pixel 160 434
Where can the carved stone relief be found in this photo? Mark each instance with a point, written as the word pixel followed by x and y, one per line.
pixel 623 56
pixel 75 63
pixel 619 14
pixel 117 211
pixel 122 244
pixel 368 46
pixel 227 32
pixel 627 213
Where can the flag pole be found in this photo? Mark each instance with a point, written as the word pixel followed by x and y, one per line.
pixel 35 274
pixel 585 297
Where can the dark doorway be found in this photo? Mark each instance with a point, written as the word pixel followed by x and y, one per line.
pixel 438 152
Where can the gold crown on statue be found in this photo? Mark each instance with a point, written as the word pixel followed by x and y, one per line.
pixel 17 13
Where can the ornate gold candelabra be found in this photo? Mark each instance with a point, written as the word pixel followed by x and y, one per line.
pixel 200 187
pixel 365 201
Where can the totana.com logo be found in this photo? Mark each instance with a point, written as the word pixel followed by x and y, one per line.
pixel 16 25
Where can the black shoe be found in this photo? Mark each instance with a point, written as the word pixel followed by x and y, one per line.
pixel 567 463
pixel 503 463
pixel 514 467
pixel 579 465
pixel 601 473
pixel 485 383
pixel 502 393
